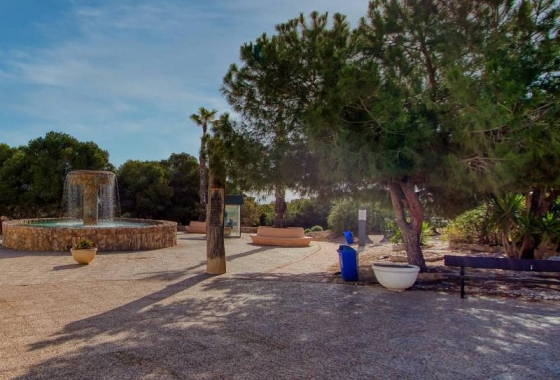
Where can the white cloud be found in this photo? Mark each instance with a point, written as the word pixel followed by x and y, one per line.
pixel 128 74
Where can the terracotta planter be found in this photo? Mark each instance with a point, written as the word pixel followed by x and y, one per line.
pixel 394 276
pixel 83 256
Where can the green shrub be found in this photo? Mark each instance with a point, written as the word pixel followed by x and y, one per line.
pixel 316 229
pixel 84 244
pixel 265 214
pixel 344 216
pixel 396 234
pixel 471 227
pixel 307 212
pixel 548 229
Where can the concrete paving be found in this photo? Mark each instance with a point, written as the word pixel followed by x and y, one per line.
pixel 157 315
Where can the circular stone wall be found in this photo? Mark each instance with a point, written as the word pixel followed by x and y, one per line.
pixel 154 234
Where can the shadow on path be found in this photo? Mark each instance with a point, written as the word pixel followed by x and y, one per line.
pixel 214 328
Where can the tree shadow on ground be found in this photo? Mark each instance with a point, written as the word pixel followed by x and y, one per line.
pixel 207 327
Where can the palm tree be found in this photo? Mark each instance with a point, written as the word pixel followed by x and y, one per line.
pixel 202 119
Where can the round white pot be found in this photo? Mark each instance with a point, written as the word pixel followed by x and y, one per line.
pixel 394 276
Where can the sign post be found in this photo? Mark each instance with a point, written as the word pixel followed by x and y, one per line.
pixel 362 216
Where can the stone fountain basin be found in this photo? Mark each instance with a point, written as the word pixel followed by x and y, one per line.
pixel 130 235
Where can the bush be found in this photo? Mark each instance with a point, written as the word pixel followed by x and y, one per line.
pixel 84 244
pixel 471 227
pixel 344 216
pixel 249 212
pixel 396 234
pixel 307 213
pixel 313 229
pixel 265 214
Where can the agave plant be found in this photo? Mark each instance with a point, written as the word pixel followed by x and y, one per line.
pixel 548 228
pixel 84 244
pixel 507 213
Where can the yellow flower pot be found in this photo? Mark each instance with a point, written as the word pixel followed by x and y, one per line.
pixel 83 256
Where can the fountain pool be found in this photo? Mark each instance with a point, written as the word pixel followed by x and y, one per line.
pixel 91 201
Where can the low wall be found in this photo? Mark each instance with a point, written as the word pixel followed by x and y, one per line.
pixel 21 235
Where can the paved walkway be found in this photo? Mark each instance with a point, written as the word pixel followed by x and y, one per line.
pixel 244 260
pixel 157 315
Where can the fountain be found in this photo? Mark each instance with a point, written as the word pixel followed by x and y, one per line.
pixel 85 191
pixel 91 200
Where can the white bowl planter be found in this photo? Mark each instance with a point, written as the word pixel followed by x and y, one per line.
pixel 394 276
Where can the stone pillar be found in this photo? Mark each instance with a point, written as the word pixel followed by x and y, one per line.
pixel 89 183
pixel 90 193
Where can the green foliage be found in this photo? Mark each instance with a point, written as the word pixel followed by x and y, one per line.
pixel 11 172
pixel 344 216
pixel 84 244
pixel 32 180
pixel 507 212
pixel 32 177
pixel 270 143
pixel 548 230
pixel 396 234
pixel 183 173
pixel 510 107
pixel 314 229
pixel 266 214
pixel 249 212
pixel 144 189
pixel 472 227
pixel 505 220
pixel 307 213
pixel 203 118
pixel 449 99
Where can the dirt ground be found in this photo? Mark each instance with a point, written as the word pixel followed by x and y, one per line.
pixel 434 279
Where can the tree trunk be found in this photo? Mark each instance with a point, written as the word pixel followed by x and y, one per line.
pixel 406 203
pixel 528 247
pixel 215 247
pixel 280 208
pixel 510 248
pixel 537 205
pixel 203 186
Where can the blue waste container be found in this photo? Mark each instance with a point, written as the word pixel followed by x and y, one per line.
pixel 348 258
pixel 348 236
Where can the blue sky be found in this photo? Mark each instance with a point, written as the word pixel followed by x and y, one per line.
pixel 127 74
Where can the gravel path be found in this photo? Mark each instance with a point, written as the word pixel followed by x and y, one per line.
pixel 157 315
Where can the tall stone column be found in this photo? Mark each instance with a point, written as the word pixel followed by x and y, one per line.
pixel 89 182
pixel 90 216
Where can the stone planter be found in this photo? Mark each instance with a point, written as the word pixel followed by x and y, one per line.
pixel 394 276
pixel 83 256
pixel 376 239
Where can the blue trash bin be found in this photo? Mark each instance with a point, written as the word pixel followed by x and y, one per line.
pixel 348 258
pixel 348 236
